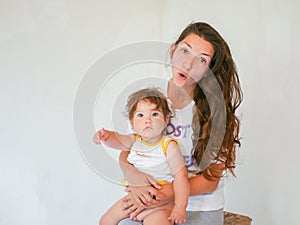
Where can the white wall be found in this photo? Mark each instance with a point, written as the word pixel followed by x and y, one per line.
pixel 46 47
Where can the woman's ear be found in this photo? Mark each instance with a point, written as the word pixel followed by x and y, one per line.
pixel 172 49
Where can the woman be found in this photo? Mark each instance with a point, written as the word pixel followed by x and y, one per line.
pixel 199 57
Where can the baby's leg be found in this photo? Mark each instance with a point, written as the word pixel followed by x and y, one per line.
pixel 146 212
pixel 114 215
pixel 158 217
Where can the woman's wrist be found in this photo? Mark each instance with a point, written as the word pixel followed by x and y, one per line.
pixel 167 194
pixel 129 172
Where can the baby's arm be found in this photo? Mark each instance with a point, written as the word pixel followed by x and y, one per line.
pixel 181 183
pixel 113 139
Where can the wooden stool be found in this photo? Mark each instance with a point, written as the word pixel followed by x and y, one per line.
pixel 236 219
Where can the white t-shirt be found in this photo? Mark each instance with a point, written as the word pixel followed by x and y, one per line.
pixel 181 128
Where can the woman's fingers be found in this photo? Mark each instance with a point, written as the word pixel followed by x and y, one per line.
pixel 127 203
pixel 151 195
pixel 145 194
pixel 131 203
pixel 155 195
pixel 135 213
pixel 153 182
pixel 142 199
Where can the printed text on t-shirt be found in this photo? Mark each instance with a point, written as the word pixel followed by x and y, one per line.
pixel 178 131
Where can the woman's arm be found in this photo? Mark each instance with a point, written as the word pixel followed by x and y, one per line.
pixel 206 184
pixel 141 190
pixel 198 185
pixel 133 176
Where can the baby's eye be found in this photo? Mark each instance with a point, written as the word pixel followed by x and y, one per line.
pixel 139 115
pixel 155 114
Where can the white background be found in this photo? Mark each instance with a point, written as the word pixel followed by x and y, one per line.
pixel 47 46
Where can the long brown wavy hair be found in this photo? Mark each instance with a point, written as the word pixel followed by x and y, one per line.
pixel 223 69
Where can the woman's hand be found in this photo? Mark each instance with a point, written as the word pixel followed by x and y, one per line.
pixel 141 194
pixel 138 199
pixel 143 190
pixel 133 176
pixel 144 195
pixel 136 178
pixel 134 204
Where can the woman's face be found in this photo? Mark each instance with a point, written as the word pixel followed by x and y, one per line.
pixel 190 60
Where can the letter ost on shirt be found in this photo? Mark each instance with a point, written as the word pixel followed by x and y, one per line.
pixel 177 131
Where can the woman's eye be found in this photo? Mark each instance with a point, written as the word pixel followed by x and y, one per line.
pixel 202 60
pixel 155 114
pixel 184 51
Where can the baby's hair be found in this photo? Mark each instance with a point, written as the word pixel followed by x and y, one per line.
pixel 152 95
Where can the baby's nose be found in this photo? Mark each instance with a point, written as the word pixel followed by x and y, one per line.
pixel 148 119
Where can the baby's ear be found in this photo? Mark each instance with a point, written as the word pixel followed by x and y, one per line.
pixel 131 124
pixel 167 119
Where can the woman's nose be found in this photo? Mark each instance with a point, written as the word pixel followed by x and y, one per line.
pixel 188 64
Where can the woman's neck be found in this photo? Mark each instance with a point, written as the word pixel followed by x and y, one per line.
pixel 179 97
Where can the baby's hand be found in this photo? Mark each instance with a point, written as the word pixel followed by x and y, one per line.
pixel 178 215
pixel 101 136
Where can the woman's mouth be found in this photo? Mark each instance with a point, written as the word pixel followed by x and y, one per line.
pixel 182 76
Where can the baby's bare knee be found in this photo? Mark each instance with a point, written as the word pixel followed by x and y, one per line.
pixel 107 220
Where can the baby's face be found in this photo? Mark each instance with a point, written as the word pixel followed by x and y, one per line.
pixel 148 121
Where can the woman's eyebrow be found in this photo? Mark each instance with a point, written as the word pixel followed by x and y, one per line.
pixel 202 53
pixel 187 44
pixel 205 55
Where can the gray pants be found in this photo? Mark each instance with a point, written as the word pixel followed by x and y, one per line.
pixel 193 218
